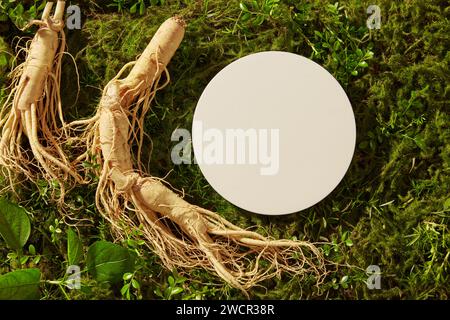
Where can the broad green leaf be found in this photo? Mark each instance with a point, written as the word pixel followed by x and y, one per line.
pixel 20 285
pixel 107 262
pixel 74 248
pixel 14 224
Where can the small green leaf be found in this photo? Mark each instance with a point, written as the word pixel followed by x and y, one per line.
pixel 74 248
pixel 243 7
pixel 355 73
pixel 344 282
pixel 125 289
pixel 364 145
pixel 133 8
pixel 245 16
pixel 19 9
pixel 127 276
pixel 158 292
pixel 168 293
pixel 31 249
pixel 14 224
pixel 24 259
pixel 181 280
pixel 359 52
pixel 369 55
pixel 37 259
pixel 142 8
pixel 135 284
pixel 42 6
pixel 171 281
pixel 32 10
pixel 20 285
pixel 337 45
pixel 420 142
pixel 107 262
pixel 176 290
pixel 447 204
pixel 349 242
pixel 363 64
pixel 258 20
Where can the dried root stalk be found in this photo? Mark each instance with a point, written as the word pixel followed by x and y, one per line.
pixel 182 234
pixel 33 109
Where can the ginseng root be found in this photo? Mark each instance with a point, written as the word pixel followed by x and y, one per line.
pixel 182 234
pixel 33 109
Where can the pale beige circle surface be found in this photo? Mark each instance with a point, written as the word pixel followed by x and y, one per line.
pixel 243 108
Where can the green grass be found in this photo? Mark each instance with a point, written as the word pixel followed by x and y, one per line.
pixel 393 207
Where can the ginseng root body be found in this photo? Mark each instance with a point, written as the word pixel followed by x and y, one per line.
pixel 33 110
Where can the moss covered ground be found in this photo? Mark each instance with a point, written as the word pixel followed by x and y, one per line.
pixel 393 207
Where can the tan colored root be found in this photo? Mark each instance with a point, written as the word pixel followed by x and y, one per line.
pixel 33 110
pixel 222 242
pixel 184 236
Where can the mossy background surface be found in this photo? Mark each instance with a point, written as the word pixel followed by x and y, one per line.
pixel 393 207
